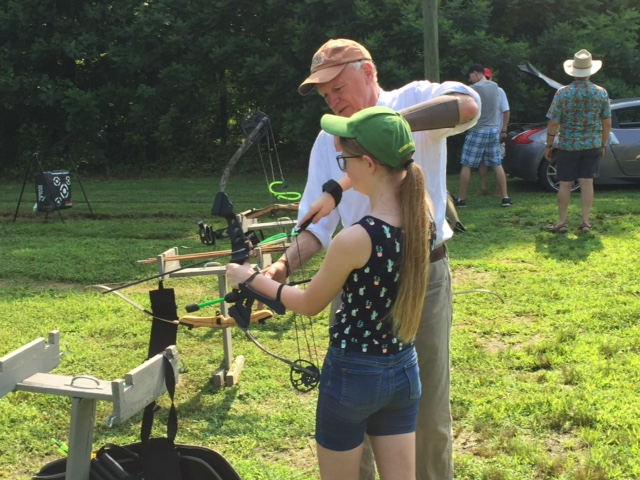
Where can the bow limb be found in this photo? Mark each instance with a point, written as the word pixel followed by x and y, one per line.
pixel 220 321
pixel 304 374
pixel 106 289
pixel 191 321
pixel 253 136
pixel 271 209
pixel 240 311
pixel 311 371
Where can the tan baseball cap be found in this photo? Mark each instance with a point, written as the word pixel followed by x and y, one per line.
pixel 330 60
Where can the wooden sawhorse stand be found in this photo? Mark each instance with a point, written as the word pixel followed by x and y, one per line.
pixel 26 369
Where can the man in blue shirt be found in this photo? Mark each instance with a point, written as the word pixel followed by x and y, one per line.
pixel 581 116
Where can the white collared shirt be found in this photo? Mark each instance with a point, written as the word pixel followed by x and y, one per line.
pixel 431 155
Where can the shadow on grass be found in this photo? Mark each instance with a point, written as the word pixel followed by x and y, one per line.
pixel 568 247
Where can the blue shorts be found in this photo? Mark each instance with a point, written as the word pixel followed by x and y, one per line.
pixel 376 394
pixel 482 146
pixel 572 165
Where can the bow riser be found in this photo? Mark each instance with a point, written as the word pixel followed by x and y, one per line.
pixel 240 247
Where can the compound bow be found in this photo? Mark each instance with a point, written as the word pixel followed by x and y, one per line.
pixel 304 374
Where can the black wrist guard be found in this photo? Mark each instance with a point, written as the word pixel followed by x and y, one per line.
pixel 334 189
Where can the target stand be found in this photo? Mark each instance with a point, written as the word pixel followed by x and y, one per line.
pixel 53 188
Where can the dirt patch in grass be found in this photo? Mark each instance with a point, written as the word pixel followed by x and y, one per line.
pixel 465 442
pixel 466 276
pixel 493 345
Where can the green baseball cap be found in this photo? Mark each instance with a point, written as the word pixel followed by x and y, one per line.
pixel 382 132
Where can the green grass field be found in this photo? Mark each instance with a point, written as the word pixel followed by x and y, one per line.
pixel 545 371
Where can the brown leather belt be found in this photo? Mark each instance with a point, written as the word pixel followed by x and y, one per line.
pixel 438 253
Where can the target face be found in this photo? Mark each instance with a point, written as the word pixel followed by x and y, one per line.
pixel 53 190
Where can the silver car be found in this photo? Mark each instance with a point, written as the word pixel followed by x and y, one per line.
pixel 621 165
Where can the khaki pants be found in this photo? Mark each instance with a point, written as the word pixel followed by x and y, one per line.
pixel 434 436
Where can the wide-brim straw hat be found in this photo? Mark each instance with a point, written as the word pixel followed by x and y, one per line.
pixel 582 65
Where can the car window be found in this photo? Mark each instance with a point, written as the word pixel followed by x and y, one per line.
pixel 628 117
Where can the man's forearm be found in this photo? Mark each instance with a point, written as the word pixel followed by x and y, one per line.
pixel 303 248
pixel 505 120
pixel 606 128
pixel 467 106
pixel 552 128
pixel 446 111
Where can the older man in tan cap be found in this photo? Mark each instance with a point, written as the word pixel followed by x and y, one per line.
pixel 581 117
pixel 343 73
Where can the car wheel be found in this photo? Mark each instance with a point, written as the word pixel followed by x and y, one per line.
pixel 547 177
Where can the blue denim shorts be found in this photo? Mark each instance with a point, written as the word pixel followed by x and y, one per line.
pixel 376 394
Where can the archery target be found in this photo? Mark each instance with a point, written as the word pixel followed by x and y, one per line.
pixel 53 191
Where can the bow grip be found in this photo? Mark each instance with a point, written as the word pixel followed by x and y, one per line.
pixel 245 295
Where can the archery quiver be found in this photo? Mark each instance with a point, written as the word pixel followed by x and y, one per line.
pixel 151 458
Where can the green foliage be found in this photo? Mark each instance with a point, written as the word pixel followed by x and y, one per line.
pixel 130 86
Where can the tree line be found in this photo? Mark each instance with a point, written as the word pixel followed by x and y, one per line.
pixel 123 86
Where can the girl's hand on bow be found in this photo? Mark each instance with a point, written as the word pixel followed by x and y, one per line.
pixel 237 274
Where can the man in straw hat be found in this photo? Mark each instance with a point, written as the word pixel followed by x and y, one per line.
pixel 581 117
pixel 343 73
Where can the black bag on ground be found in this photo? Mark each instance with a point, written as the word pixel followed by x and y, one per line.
pixel 196 463
pixel 152 458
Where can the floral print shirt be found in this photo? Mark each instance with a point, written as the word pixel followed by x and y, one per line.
pixel 363 322
pixel 579 108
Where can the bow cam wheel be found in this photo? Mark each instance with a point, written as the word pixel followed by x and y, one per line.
pixel 306 378
pixel 251 121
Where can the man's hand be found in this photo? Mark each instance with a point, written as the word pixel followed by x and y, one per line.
pixel 276 271
pixel 321 207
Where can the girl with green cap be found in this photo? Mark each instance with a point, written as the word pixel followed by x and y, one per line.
pixel 369 381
